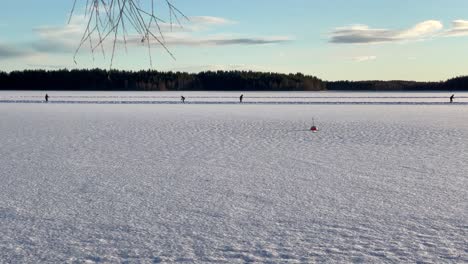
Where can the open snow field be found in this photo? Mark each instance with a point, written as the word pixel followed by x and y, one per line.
pixel 231 183
pixel 361 98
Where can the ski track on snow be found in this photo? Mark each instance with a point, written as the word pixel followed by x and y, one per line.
pixel 233 184
pixel 234 102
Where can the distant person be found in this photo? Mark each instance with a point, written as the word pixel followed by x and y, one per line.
pixel 451 98
pixel 182 98
pixel 46 97
pixel 240 98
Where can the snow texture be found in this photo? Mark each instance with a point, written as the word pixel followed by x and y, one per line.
pixel 365 98
pixel 225 183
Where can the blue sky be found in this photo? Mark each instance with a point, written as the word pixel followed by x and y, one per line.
pixel 333 39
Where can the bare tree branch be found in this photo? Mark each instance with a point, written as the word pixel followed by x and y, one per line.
pixel 120 19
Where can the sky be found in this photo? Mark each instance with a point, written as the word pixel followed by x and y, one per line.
pixel 423 40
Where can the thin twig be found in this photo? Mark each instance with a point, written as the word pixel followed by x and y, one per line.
pixel 120 18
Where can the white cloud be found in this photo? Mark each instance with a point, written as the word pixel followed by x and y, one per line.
pixel 210 20
pixel 215 40
pixel 60 38
pixel 66 38
pixel 195 24
pixel 421 30
pixel 459 28
pixel 363 34
pixel 364 58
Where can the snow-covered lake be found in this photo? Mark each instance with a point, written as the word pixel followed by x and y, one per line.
pixel 221 182
pixel 422 98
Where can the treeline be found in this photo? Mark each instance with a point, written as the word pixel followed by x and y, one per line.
pixel 455 84
pixel 115 80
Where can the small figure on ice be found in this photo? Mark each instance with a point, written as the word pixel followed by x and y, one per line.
pixel 240 98
pixel 182 98
pixel 46 98
pixel 451 98
pixel 314 127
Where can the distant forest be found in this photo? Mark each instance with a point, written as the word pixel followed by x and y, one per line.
pixel 455 84
pixel 115 80
pixel 102 80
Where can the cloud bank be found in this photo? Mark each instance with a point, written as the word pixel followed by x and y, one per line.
pixel 363 34
pixel 184 40
pixel 65 39
pixel 459 28
pixel 10 51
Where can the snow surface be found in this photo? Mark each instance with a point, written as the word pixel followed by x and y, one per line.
pixel 225 183
pixel 420 98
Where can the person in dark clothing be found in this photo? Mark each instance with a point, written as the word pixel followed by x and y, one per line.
pixel 46 97
pixel 182 98
pixel 451 98
pixel 240 98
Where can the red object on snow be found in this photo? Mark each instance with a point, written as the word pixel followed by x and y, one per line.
pixel 314 128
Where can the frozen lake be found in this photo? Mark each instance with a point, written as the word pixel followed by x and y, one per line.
pixel 219 182
pixel 421 98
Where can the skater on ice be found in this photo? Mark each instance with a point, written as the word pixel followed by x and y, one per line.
pixel 46 98
pixel 451 98
pixel 240 98
pixel 182 98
